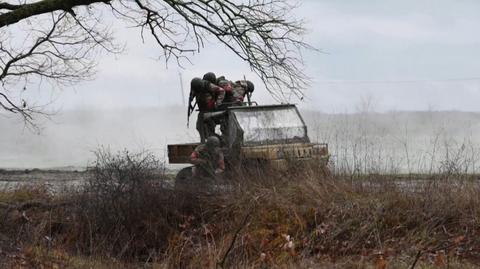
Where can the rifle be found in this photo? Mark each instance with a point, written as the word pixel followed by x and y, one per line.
pixel 190 107
pixel 248 93
pixel 248 99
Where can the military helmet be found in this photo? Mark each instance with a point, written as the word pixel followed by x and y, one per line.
pixel 220 78
pixel 212 142
pixel 196 85
pixel 210 76
pixel 222 82
pixel 250 86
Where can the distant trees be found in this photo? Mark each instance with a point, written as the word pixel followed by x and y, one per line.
pixel 59 40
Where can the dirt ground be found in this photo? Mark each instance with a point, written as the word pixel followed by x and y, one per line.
pixel 54 180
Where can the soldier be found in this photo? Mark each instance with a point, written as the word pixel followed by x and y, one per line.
pixel 217 92
pixel 210 77
pixel 208 159
pixel 208 97
pixel 199 92
pixel 241 89
pixel 227 87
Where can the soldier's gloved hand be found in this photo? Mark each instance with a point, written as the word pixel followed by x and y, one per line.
pixel 218 171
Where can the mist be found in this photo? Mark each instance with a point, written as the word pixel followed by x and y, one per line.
pixel 365 141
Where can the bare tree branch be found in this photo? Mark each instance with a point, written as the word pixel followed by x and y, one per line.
pixel 262 33
pixel 21 12
pixel 62 51
pixel 8 6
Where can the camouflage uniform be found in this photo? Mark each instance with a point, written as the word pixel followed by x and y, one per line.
pixel 238 91
pixel 227 87
pixel 209 96
pixel 208 160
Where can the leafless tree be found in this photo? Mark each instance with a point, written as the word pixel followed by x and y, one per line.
pixel 60 39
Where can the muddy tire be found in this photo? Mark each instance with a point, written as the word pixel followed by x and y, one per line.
pixel 184 179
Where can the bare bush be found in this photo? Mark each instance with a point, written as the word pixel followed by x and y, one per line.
pixel 122 175
pixel 126 210
pixel 271 220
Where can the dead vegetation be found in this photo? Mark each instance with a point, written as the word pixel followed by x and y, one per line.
pixel 126 217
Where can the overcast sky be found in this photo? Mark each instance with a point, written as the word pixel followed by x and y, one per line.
pixel 397 55
pixel 400 55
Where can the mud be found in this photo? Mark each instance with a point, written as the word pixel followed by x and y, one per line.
pixel 53 180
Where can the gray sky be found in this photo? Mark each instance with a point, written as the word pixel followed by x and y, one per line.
pixel 397 55
pixel 400 55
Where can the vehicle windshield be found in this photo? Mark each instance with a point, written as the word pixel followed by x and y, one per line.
pixel 268 125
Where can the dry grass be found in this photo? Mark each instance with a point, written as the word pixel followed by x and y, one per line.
pixel 25 194
pixel 298 220
pixel 302 216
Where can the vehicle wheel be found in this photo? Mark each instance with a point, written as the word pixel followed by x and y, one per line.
pixel 184 179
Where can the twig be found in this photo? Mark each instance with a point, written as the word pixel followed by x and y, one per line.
pixel 234 239
pixel 419 253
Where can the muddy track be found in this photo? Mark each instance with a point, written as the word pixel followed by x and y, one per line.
pixel 54 180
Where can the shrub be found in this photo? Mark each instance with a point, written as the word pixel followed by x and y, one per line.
pixel 124 209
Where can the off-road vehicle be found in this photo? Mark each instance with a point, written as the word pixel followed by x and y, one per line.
pixel 267 137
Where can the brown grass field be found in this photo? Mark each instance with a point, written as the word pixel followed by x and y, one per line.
pixel 124 217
